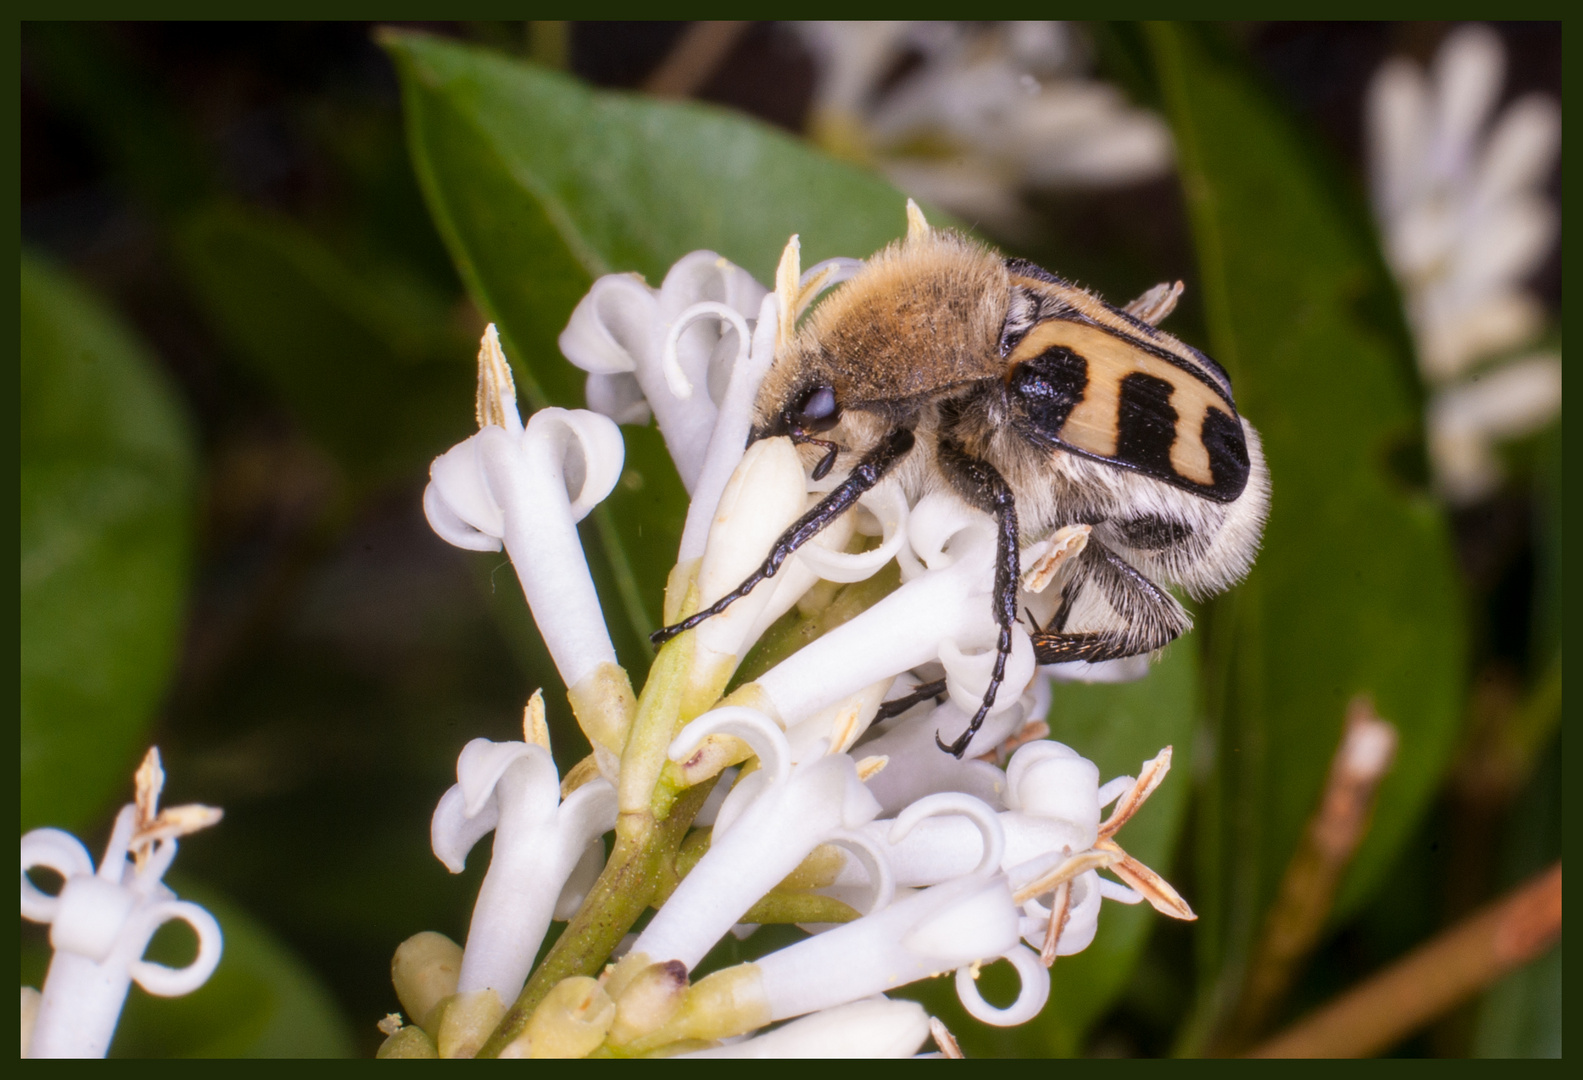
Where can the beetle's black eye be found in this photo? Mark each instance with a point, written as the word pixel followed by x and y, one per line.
pixel 818 411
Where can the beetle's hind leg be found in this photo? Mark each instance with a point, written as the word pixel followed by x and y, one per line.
pixel 1108 611
pixel 867 473
pixel 982 485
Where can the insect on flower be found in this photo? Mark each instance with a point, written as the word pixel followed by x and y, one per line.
pixel 948 367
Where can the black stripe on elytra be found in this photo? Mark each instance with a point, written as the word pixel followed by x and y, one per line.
pixel 1227 444
pixel 1049 387
pixel 1146 424
pixel 1205 367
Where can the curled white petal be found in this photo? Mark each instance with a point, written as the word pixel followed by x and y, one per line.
pixel 675 377
pixel 955 804
pixel 768 825
pixel 733 423
pixel 610 327
pixel 163 981
pixel 567 461
pixel 968 673
pixel 1032 995
pixel 540 843
pixel 886 503
pixel 50 849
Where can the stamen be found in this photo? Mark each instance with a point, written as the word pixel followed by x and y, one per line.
pixel 1149 778
pixel 1059 909
pixel 497 391
pixel 535 732
pixel 943 1038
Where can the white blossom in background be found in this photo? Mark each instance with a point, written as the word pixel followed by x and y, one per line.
pixel 971 116
pixel 1460 196
pixel 102 919
pixel 925 864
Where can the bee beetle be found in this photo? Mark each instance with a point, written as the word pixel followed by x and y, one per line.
pixel 946 365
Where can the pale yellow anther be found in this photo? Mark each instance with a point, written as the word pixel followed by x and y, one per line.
pixel 917 224
pixel 949 1047
pixel 872 766
pixel 497 391
pixel 155 825
pixel 788 292
pixel 1061 548
pixel 535 731
pixel 148 782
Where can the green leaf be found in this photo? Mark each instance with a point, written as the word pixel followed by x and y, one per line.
pixel 107 467
pixel 371 362
pixel 1355 591
pixel 540 184
pixel 261 1002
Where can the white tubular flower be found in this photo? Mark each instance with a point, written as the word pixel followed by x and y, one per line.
pixel 936 615
pixel 1053 800
pixel 540 843
pixel 529 487
pixel 957 925
pixel 768 824
pixel 915 767
pixel 1460 198
pixel 619 334
pixel 1008 104
pixel 101 921
pixel 764 496
pixel 1466 420
pixel 875 1028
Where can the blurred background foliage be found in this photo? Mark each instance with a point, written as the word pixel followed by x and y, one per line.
pixel 256 261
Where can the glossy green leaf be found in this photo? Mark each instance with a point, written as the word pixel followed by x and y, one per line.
pixel 372 363
pixel 540 184
pixel 1355 591
pixel 261 1002
pixel 107 466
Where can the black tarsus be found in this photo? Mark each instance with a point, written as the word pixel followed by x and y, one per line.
pixel 863 477
pixel 979 481
pixel 896 707
pixel 821 470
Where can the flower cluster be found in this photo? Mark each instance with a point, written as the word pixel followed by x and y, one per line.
pixel 813 793
pixel 1462 204
pixel 972 116
pixel 100 921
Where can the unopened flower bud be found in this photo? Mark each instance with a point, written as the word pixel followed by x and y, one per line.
pixel 424 970
pixel 649 1000
pixel 464 1021
pixel 571 1021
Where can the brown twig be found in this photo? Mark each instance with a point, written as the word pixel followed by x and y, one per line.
pixel 696 56
pixel 1308 888
pixel 1434 978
